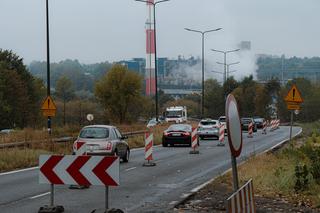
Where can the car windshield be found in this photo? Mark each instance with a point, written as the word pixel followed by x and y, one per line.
pixel 222 119
pixel 258 120
pixel 174 114
pixel 205 123
pixel 245 120
pixel 94 132
pixel 180 127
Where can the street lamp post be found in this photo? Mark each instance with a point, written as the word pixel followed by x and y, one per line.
pixel 225 61
pixel 155 51
pixel 227 68
pixel 202 33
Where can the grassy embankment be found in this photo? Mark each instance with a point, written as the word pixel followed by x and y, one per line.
pixel 292 173
pixel 15 158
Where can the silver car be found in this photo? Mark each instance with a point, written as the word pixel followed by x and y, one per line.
pixel 103 140
pixel 208 128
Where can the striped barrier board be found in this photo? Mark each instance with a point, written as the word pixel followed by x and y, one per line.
pixel 221 133
pixel 250 130
pixel 242 201
pixel 80 148
pixel 148 146
pixel 194 138
pixel 79 170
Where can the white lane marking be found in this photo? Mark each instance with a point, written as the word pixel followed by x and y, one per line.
pixel 17 171
pixel 132 168
pixel 40 195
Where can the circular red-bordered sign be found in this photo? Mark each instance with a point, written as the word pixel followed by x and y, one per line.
pixel 233 126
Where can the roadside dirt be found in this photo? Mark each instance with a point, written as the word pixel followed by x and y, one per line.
pixel 212 199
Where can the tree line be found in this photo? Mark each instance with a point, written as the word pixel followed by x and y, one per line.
pixel 117 97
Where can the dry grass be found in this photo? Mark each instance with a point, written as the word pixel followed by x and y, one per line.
pixel 21 158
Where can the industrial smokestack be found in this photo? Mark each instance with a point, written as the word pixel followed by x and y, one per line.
pixel 150 51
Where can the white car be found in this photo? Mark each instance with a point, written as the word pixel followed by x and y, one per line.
pixel 208 128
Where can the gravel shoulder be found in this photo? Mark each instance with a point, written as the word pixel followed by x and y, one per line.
pixel 212 199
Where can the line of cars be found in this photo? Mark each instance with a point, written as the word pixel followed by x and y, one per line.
pixel 108 140
pixel 178 134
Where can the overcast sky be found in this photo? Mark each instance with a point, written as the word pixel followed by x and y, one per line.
pixel 109 30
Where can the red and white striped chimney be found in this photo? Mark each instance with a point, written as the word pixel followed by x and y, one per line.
pixel 150 50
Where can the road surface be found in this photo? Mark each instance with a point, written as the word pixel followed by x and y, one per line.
pixel 142 189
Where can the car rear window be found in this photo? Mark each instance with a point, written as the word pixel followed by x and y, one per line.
pixel 205 123
pixel 94 132
pixel 179 127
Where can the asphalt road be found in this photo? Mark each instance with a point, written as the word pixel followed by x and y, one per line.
pixel 142 189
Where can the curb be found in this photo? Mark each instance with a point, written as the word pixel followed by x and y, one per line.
pixel 193 191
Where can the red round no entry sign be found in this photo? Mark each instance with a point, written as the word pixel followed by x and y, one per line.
pixel 234 126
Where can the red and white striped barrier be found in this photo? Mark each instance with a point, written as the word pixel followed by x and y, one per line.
pixel 148 146
pixel 79 170
pixel 194 141
pixel 194 138
pixel 278 124
pixel 264 127
pixel 242 200
pixel 250 130
pixel 272 125
pixel 80 148
pixel 221 134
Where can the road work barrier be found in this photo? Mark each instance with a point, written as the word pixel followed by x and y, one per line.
pixel 194 142
pixel 278 124
pixel 273 125
pixel 264 127
pixel 242 200
pixel 77 170
pixel 221 135
pixel 250 130
pixel 80 148
pixel 148 149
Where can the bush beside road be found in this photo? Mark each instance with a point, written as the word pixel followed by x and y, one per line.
pixel 285 181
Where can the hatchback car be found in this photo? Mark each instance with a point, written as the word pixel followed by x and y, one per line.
pixel 259 122
pixel 245 124
pixel 104 140
pixel 208 128
pixel 177 134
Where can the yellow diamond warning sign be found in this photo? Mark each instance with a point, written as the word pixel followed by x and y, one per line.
pixel 48 107
pixel 294 95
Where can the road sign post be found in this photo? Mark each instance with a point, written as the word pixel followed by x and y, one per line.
pixel 234 135
pixel 293 99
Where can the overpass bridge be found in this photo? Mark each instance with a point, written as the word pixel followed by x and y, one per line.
pixel 179 93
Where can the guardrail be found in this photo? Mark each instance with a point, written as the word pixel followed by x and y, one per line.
pixel 27 144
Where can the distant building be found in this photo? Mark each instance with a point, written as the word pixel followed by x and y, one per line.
pixel 245 45
pixel 136 64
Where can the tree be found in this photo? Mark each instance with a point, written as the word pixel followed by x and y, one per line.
pixel 64 91
pixel 119 90
pixel 214 98
pixel 19 96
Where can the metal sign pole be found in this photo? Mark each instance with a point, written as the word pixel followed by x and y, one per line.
pixel 234 173
pixel 52 195
pixel 291 123
pixel 107 198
